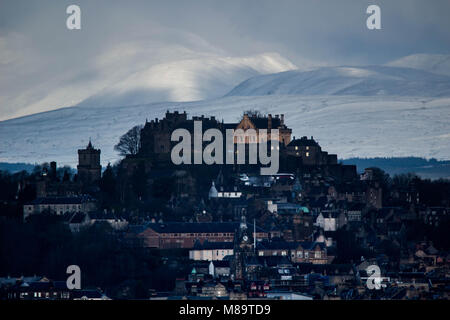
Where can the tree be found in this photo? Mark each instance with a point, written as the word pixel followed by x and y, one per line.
pixel 404 180
pixel 253 113
pixel 129 143
pixel 139 181
pixel 108 184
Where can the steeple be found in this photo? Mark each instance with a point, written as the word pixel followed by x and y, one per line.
pixel 243 225
pixel 213 191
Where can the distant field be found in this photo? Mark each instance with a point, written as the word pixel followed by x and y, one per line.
pixel 16 167
pixel 432 169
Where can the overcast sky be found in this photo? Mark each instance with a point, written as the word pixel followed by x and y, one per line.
pixel 44 66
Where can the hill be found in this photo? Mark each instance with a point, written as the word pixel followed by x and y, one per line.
pixel 360 81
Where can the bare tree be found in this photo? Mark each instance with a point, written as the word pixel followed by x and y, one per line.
pixel 253 113
pixel 129 143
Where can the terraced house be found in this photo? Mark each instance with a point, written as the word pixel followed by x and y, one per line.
pixel 173 235
pixel 297 252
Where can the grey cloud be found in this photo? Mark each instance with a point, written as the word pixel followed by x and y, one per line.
pixel 41 62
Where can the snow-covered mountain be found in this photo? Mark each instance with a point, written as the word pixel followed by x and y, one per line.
pixel 202 78
pixel 375 111
pixel 361 81
pixel 435 63
pixel 349 126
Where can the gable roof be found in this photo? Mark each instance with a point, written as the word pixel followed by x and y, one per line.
pixel 287 245
pixel 197 227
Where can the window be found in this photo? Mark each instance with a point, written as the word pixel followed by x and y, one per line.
pixel 317 255
pixel 299 254
pixel 283 253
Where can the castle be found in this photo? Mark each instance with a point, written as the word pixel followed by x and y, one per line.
pixel 156 134
pixel 303 154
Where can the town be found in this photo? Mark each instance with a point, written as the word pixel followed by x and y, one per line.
pixel 148 228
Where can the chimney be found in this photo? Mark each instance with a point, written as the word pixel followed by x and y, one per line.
pixel 269 121
pixel 282 119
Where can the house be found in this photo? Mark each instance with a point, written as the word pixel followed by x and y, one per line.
pixel 79 220
pixel 286 208
pixel 331 220
pixel 287 295
pixel 89 294
pixel 434 216
pixel 59 205
pixel 211 251
pixel 297 252
pixel 215 290
pixel 36 288
pixel 219 269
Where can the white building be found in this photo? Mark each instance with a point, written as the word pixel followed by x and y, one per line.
pixel 59 205
pixel 211 251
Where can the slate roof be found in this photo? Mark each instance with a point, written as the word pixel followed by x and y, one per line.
pixel 213 245
pixel 263 122
pixel 77 217
pixel 90 294
pixel 61 200
pixel 280 245
pixel 221 264
pixel 198 227
pixel 303 142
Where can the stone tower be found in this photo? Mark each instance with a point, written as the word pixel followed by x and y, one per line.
pixel 89 168
pixel 242 248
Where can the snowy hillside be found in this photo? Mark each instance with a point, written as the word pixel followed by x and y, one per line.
pixel 361 81
pixel 347 125
pixel 435 63
pixel 187 80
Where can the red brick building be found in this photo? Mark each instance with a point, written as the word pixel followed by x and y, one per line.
pixel 184 235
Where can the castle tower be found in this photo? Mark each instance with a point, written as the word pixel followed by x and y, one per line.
pixel 89 168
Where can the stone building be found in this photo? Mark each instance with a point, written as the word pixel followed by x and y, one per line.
pixel 172 235
pixel 89 168
pixel 156 135
pixel 59 205
pixel 297 252
pixel 310 152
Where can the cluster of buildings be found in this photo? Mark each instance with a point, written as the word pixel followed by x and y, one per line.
pixel 42 288
pixel 252 236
